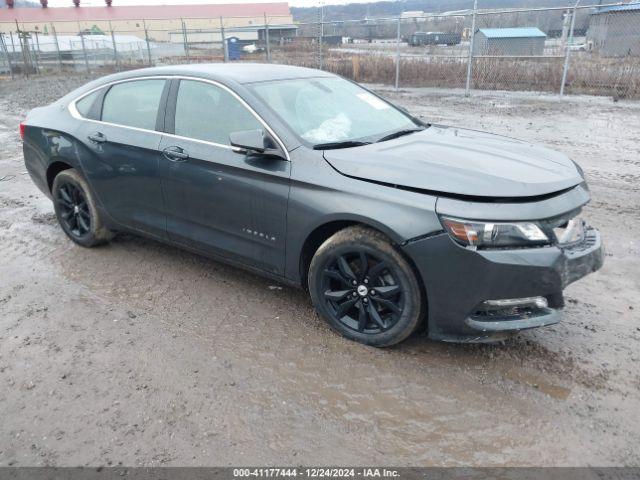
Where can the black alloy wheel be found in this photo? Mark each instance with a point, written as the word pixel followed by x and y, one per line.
pixel 362 292
pixel 77 211
pixel 74 210
pixel 364 287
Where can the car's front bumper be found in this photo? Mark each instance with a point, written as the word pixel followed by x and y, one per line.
pixel 457 280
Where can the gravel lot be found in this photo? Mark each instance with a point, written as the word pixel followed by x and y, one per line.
pixel 141 354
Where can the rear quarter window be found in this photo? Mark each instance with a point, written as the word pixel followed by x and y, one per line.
pixel 86 107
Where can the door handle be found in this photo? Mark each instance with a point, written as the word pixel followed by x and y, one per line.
pixel 175 154
pixel 97 137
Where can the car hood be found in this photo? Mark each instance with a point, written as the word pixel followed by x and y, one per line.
pixel 459 162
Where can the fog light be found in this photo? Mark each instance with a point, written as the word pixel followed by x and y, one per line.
pixel 538 302
pixel 510 308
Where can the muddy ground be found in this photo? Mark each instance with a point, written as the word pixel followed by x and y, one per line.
pixel 141 354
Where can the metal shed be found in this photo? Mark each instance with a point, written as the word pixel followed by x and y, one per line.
pixel 613 31
pixel 434 38
pixel 509 41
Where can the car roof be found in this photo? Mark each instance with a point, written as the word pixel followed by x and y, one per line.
pixel 237 72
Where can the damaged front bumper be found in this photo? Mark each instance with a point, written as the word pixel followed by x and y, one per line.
pixel 459 282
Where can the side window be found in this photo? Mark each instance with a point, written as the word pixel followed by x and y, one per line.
pixel 207 112
pixel 134 104
pixel 85 104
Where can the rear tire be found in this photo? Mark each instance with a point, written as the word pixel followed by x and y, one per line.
pixel 364 288
pixel 76 210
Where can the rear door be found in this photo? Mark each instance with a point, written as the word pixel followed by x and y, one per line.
pixel 124 162
pixel 217 199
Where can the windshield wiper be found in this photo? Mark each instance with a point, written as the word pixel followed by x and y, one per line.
pixel 344 144
pixel 399 133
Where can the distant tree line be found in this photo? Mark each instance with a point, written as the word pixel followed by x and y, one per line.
pixel 550 22
pixel 393 9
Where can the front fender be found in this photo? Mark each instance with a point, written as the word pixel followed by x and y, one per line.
pixel 399 214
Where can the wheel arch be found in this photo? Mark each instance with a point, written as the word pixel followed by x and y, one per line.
pixel 325 230
pixel 56 166
pixel 313 241
pixel 329 226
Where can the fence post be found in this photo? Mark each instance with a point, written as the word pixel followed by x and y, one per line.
pixel 398 55
pixel 266 37
pixel 185 42
pixel 36 52
pixel 24 46
pixel 13 45
pixel 470 59
pixel 146 39
pixel 321 34
pixel 33 59
pixel 115 47
pixel 225 51
pixel 55 39
pixel 6 52
pixel 567 51
pixel 84 53
pixel 84 48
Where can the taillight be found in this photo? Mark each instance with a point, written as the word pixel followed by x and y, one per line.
pixel 22 126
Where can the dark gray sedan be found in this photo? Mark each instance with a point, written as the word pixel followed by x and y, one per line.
pixel 308 178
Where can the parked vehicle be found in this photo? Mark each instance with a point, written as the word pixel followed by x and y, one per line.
pixel 315 181
pixel 434 38
pixel 579 47
pixel 251 48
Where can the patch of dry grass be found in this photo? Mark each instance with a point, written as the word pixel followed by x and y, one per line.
pixel 588 73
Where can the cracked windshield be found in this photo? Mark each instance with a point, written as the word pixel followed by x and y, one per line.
pixel 325 110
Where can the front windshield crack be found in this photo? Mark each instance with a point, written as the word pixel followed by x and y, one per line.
pixel 332 110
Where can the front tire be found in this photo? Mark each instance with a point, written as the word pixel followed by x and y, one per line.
pixel 363 287
pixel 76 210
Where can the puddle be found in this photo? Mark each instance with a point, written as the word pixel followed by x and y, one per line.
pixel 555 391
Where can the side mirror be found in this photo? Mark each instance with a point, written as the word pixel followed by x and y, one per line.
pixel 249 140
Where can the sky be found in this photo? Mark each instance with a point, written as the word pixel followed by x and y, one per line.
pixel 293 3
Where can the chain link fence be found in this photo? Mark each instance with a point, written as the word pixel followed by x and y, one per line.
pixel 578 49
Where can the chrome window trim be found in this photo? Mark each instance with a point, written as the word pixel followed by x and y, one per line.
pixel 73 110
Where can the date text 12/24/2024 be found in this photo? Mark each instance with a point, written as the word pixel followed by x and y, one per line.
pixel 316 472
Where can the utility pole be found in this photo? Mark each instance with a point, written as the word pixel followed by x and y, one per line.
pixel 266 37
pixel 225 51
pixel 320 35
pixel 84 48
pixel 24 46
pixel 398 54
pixel 470 59
pixel 184 38
pixel 55 39
pixel 146 39
pixel 567 52
pixel 115 47
pixel 35 48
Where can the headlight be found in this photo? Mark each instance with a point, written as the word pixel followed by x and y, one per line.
pixel 494 234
